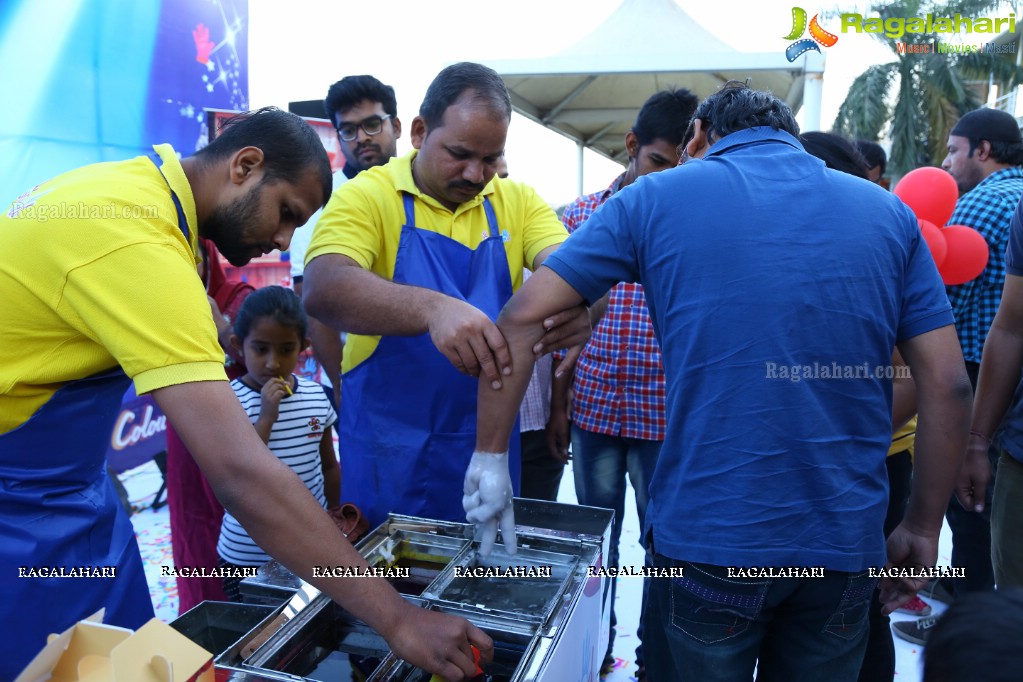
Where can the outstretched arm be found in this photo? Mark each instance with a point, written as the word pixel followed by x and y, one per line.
pixel 487 488
pixel 999 374
pixel 282 517
pixel 944 399
pixel 522 324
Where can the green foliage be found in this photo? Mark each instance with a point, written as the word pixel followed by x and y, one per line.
pixel 931 89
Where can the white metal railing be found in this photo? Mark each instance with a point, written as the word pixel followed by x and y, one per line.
pixel 1010 103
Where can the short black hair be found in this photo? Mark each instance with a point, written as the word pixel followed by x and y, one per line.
pixel 351 90
pixel 1009 153
pixel 962 647
pixel 280 303
pixel 290 146
pixel 873 153
pixel 737 106
pixel 664 116
pixel 451 82
pixel 836 152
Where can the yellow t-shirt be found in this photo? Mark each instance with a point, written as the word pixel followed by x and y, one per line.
pixel 904 438
pixel 95 273
pixel 364 216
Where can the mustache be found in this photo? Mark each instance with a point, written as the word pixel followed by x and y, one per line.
pixel 463 184
pixel 363 147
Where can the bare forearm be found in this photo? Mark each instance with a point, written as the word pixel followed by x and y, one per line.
pixel 264 428
pixel 903 393
pixel 345 297
pixel 327 349
pixel 941 436
pixel 269 500
pixel 999 375
pixel 521 323
pixel 598 309
pixel 560 389
pixel 497 408
pixel 332 487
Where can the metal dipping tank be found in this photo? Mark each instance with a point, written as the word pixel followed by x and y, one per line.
pixel 551 625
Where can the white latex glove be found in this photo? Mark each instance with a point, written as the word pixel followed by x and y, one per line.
pixel 487 499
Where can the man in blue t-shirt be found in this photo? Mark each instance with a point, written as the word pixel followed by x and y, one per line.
pixel 1000 367
pixel 778 290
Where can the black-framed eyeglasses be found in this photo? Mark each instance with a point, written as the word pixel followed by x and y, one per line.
pixel 371 126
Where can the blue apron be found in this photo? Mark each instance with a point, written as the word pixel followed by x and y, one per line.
pixel 59 510
pixel 408 417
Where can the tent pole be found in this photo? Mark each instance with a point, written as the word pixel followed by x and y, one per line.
pixel 813 86
pixel 579 173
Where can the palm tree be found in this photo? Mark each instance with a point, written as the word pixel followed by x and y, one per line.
pixel 932 89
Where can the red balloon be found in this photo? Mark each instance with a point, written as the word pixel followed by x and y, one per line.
pixel 935 241
pixel 930 192
pixel 967 255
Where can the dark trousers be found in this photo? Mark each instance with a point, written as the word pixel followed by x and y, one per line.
pixel 541 473
pixel 971 532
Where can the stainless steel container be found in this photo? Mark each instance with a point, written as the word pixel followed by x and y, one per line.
pixel 527 585
pixel 422 555
pixel 515 645
pixel 323 642
pixel 225 629
pixel 272 585
pixel 548 626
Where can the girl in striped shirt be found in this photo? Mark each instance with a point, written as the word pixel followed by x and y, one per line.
pixel 291 414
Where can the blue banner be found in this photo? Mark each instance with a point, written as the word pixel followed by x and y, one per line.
pixel 102 80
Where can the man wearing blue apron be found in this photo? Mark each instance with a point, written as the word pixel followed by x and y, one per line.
pixel 99 282
pixel 415 260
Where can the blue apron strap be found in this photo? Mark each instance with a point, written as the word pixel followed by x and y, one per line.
pixel 410 213
pixel 410 208
pixel 182 221
pixel 491 217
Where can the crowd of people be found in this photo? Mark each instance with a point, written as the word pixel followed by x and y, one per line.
pixel 430 284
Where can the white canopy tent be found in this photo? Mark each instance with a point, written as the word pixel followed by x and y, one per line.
pixel 592 91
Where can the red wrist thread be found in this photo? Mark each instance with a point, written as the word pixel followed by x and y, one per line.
pixel 978 434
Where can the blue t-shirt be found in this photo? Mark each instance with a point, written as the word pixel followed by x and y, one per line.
pixel 1011 433
pixel 766 275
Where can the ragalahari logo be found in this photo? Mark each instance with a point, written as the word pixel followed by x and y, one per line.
pixel 817 33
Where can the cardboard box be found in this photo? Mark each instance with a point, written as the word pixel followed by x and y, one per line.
pixel 90 651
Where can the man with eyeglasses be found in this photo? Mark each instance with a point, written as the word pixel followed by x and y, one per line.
pixel 365 113
pixel 414 260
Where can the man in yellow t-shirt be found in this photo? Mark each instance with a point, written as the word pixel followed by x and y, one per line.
pixel 415 259
pixel 99 283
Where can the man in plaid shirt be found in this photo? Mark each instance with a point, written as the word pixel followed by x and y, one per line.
pixel 617 408
pixel 985 152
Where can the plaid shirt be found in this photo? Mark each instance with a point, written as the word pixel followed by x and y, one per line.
pixel 987 208
pixel 619 379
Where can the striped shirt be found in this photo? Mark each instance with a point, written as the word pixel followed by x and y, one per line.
pixel 987 208
pixel 619 379
pixel 295 439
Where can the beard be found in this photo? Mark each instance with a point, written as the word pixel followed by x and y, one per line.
pixel 228 226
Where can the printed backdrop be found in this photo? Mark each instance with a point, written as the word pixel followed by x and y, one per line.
pixel 101 80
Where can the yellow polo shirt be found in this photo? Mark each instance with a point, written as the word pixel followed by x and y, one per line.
pixel 95 273
pixel 904 438
pixel 364 216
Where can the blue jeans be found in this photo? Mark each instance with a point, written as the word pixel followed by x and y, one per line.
pixel 707 627
pixel 600 463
